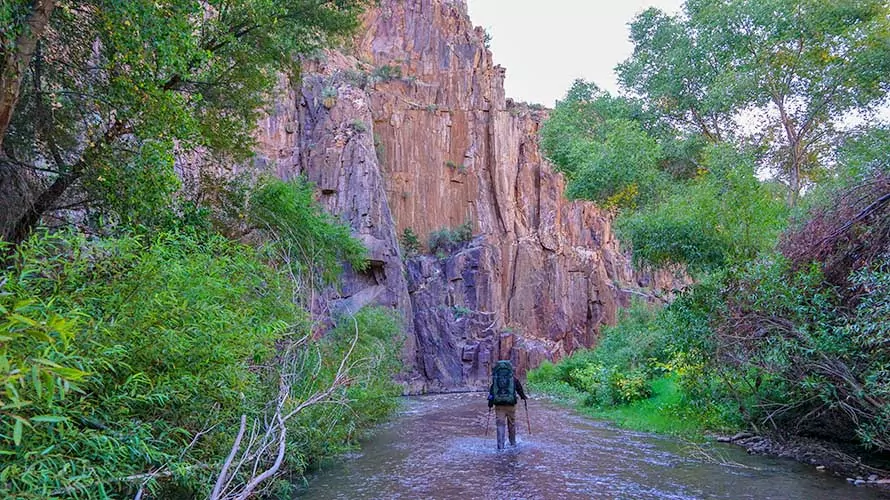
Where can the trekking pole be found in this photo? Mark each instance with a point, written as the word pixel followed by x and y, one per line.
pixel 487 421
pixel 527 421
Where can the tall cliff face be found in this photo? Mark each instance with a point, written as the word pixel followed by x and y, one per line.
pixel 414 131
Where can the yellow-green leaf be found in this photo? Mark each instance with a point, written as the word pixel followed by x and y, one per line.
pixel 17 431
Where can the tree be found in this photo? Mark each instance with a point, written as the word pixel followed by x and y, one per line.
pixel 604 146
pixel 103 95
pixel 17 47
pixel 722 217
pixel 678 75
pixel 680 200
pixel 798 66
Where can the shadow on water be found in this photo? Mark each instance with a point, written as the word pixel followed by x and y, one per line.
pixel 435 448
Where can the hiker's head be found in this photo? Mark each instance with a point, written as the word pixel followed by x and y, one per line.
pixel 503 363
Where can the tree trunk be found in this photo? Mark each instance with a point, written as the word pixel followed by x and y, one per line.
pixel 44 202
pixel 794 183
pixel 17 60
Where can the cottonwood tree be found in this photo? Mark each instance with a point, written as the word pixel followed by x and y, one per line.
pixel 96 96
pixel 796 67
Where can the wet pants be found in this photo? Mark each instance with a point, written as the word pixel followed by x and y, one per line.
pixel 505 416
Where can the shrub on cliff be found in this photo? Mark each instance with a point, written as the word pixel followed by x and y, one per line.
pixel 410 242
pixel 446 240
pixel 297 230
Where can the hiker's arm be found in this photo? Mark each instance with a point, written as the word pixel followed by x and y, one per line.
pixel 519 389
pixel 491 396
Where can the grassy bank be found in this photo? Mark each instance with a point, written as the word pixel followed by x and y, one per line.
pixel 665 412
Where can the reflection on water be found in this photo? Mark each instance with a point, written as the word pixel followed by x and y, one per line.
pixel 435 448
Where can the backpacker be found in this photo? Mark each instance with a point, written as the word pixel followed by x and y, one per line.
pixel 503 389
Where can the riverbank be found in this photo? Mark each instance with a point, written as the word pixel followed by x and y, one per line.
pixel 830 458
pixel 662 414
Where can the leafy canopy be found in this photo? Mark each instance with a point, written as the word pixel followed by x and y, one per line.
pixel 680 200
pixel 794 67
pixel 116 90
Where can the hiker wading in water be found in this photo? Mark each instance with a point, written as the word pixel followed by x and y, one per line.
pixel 502 396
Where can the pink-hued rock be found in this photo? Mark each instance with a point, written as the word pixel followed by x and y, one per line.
pixel 414 131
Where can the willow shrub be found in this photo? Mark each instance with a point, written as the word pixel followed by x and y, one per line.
pixel 161 338
pixel 118 352
pixel 324 431
pixel 804 355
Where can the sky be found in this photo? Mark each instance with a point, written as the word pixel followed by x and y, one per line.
pixel 547 44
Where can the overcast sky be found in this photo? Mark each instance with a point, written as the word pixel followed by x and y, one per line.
pixel 546 44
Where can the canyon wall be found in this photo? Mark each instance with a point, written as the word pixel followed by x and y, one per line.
pixel 412 131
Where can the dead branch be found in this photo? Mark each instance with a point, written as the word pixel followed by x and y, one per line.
pixel 254 454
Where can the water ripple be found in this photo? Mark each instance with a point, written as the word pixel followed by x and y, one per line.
pixel 437 449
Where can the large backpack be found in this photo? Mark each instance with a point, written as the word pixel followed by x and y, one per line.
pixel 502 387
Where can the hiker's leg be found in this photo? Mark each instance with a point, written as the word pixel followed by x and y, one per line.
pixel 500 422
pixel 511 424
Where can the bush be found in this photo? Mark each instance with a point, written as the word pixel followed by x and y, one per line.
pixel 410 242
pixel 369 398
pixel 120 352
pixel 311 241
pixel 386 73
pixel 805 355
pixel 448 240
pixel 167 338
pixel 545 372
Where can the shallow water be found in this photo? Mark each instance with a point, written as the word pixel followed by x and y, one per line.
pixel 436 448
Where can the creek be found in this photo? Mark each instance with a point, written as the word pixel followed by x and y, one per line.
pixel 436 448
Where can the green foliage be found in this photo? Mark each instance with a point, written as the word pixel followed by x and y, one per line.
pixel 801 64
pixel 447 239
pixel 35 341
pixel 683 202
pixel 600 143
pixel 723 217
pixel 379 149
pixel 329 92
pixel 171 77
pixel 119 352
pixel 621 169
pixel 669 411
pixel 647 372
pixel 168 336
pixel 616 372
pixel 410 242
pixel 311 241
pixel 460 167
pixel 386 73
pixel 818 362
pixel 323 431
pixel 358 126
pixel 860 158
pixel 761 345
pixel 865 154
pixel 794 338
pixel 12 18
pixel 461 311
